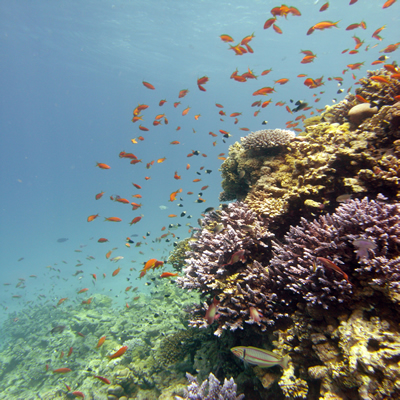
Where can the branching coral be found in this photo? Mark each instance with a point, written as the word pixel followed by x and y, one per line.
pixel 224 261
pixel 210 389
pixel 332 237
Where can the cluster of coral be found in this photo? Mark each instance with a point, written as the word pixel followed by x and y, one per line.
pixel 309 257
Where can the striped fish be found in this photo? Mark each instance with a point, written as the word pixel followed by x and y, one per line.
pixel 262 358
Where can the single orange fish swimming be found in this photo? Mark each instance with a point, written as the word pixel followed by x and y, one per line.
pixel 185 111
pixel 101 341
pixel 119 353
pixel 116 272
pixel 61 370
pixel 148 85
pixel 92 217
pixel 168 274
pixel 113 219
pixel 102 166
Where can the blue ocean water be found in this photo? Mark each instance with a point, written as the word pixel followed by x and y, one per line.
pixel 71 75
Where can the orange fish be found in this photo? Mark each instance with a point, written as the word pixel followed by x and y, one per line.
pixel 183 93
pixel 380 79
pixel 136 186
pixel 94 276
pixel 119 353
pixel 101 341
pixel 322 25
pixel 83 290
pixel 175 142
pixel 135 220
pixel 263 91
pixel 62 300
pixel 102 166
pixel 113 219
pixel 277 29
pixel 187 166
pixel 148 85
pixel 168 274
pixel 172 215
pixel 176 176
pixel 116 272
pixel 282 81
pixel 196 180
pixel 90 218
pixel 161 160
pixel 108 254
pixel 137 196
pixel 329 264
pixel 269 23
pixel 391 48
pixel 173 195
pixel 143 128
pixel 61 370
pixel 99 195
pixel 70 351
pixel 226 38
pixel 105 380
pixel 219 105
pixel 355 66
pixel 388 3
pixel 324 7
pixel 203 80
pixel 185 111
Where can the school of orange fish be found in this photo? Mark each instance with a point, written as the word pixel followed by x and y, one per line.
pixel 146 118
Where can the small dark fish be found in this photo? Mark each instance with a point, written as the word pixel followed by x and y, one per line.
pixel 62 240
pixel 58 329
pixel 208 171
pixel 300 105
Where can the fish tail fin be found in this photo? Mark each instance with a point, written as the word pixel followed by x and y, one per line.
pixel 285 361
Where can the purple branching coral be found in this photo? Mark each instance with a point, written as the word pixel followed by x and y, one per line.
pixel 210 389
pixel 226 261
pixel 334 260
pixel 362 238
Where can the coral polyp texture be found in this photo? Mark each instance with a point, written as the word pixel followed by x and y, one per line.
pixel 210 389
pixel 361 239
pixel 226 260
pixel 267 138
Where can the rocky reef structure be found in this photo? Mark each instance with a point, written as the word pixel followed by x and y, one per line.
pixel 321 279
pixel 334 156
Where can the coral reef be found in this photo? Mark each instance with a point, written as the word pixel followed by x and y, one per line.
pixel 332 157
pixel 210 389
pixel 266 139
pixel 178 255
pixel 224 262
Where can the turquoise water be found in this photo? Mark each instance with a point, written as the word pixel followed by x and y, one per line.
pixel 71 75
